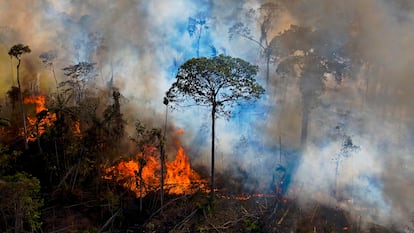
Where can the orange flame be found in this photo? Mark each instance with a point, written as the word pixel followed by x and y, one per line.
pixel 179 177
pixel 39 102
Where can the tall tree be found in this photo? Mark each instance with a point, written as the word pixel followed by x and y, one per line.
pixel 195 28
pixel 264 17
pixel 17 51
pixel 218 82
pixel 299 54
pixel 47 59
pixel 113 123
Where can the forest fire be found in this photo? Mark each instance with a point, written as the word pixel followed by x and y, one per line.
pixel 39 101
pixel 142 174
pixel 39 121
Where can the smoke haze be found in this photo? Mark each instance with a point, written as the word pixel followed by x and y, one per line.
pixel 140 44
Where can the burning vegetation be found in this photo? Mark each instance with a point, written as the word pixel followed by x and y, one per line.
pixel 39 120
pixel 145 170
pixel 298 125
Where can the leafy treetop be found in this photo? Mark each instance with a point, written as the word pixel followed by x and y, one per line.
pixel 18 49
pixel 218 82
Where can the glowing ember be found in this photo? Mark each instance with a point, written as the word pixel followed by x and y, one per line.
pixel 179 177
pixel 76 129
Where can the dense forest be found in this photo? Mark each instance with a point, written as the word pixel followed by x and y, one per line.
pixel 206 116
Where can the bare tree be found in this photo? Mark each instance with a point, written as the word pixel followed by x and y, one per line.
pixel 16 51
pixel 195 27
pixel 268 12
pixel 47 59
pixel 78 75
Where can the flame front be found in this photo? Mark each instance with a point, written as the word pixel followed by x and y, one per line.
pixel 179 177
pixel 36 122
pixel 38 100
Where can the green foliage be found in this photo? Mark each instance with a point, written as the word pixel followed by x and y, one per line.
pixel 20 203
pixel 250 225
pixel 217 82
pixel 7 159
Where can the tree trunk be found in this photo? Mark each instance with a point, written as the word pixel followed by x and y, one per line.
pixel 11 68
pixel 57 155
pixel 38 138
pixel 267 54
pixel 56 82
pixel 198 41
pixel 163 156
pixel 213 116
pixel 26 145
pixel 140 191
pixel 304 130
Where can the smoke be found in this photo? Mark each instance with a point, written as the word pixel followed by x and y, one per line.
pixel 371 107
pixel 140 45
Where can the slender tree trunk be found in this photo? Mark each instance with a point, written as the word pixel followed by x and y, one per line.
pixel 140 191
pixel 38 138
pixel 304 130
pixel 16 219
pixel 11 68
pixel 267 54
pixel 26 145
pixel 163 156
pixel 198 41
pixel 162 175
pixel 280 149
pixel 54 76
pixel 57 155
pixel 213 120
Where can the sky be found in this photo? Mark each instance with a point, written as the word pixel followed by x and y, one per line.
pixel 141 44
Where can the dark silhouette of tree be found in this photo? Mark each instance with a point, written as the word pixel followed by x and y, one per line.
pixel 296 51
pixel 78 75
pixel 48 59
pixel 113 123
pixel 348 149
pixel 268 12
pixel 162 152
pixel 16 51
pixel 218 83
pixel 145 139
pixel 195 28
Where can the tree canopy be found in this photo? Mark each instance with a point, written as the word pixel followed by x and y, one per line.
pixel 218 81
pixel 18 49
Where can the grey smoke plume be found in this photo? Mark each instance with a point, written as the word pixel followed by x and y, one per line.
pixel 141 44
